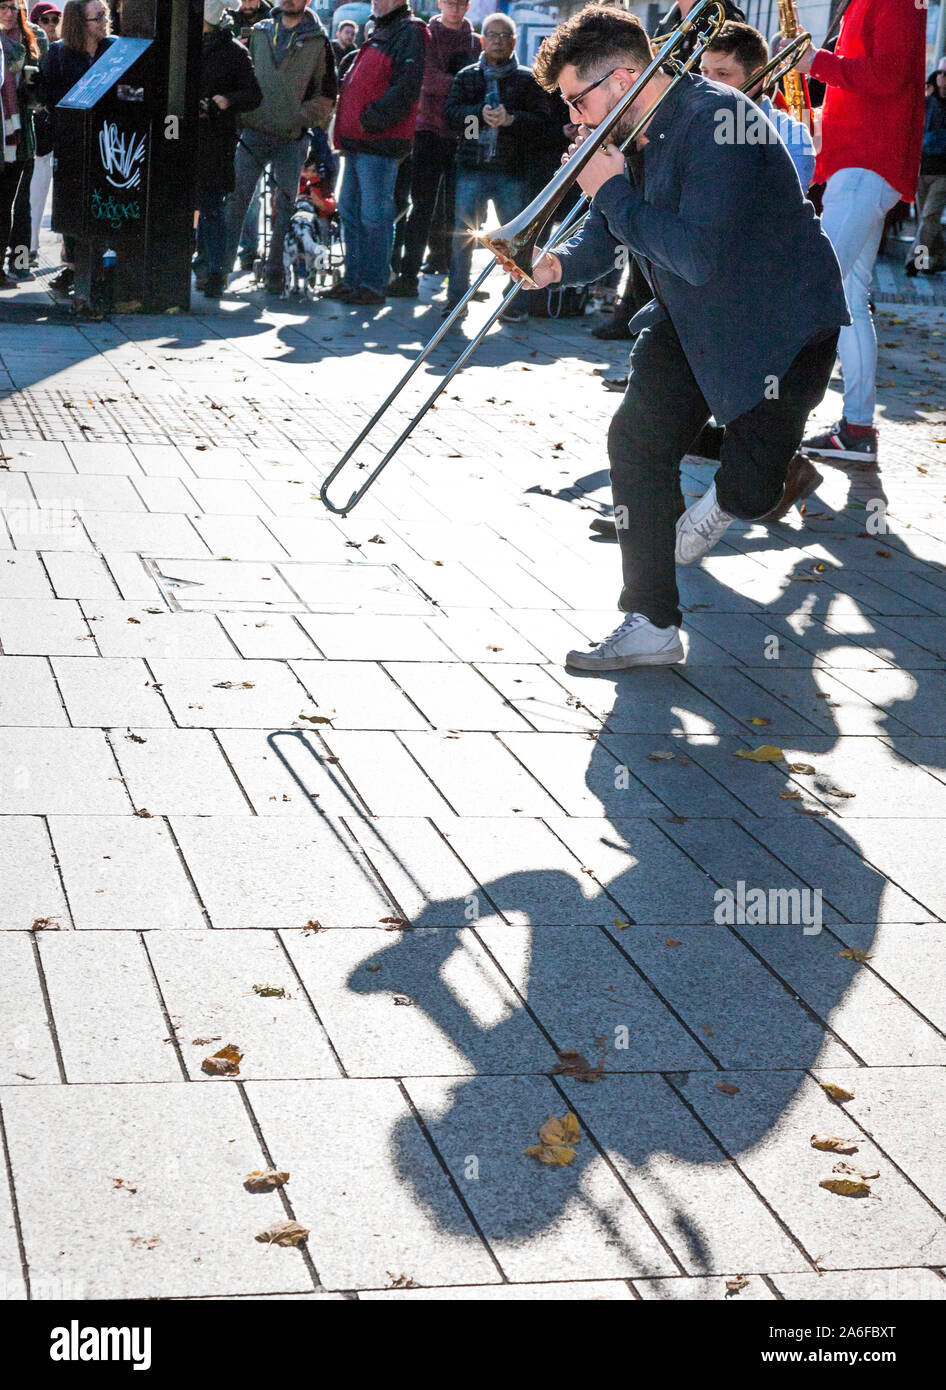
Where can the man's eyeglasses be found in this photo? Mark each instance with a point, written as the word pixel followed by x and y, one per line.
pixel 575 101
pixel 14 8
pixel 499 34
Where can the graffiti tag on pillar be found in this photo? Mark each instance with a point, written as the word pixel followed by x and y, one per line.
pixel 122 155
pixel 107 208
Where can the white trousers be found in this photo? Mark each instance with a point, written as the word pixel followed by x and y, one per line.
pixel 856 201
pixel 39 192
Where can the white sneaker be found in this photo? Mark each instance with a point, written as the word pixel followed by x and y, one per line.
pixel 700 527
pixel 637 642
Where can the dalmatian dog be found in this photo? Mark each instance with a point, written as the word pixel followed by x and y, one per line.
pixel 304 252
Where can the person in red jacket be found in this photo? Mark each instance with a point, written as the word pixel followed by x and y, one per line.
pixel 453 45
pixel 872 131
pixel 374 127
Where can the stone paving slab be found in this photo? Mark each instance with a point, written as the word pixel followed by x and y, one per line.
pixel 416 1003
pixel 109 692
pixel 28 693
pixel 478 776
pixel 752 1291
pixel 106 1010
pixel 63 771
pixel 895 1227
pixel 231 694
pixel 585 1291
pixel 130 628
pixel 284 772
pixel 432 886
pixel 373 1194
pixel 901 1108
pixel 43 627
pixel 907 956
pixel 571 1220
pixel 30 885
pixel 856 1285
pixel 357 695
pixel 181 772
pixel 189 1226
pixel 30 1055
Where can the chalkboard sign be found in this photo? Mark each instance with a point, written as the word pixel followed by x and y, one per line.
pixel 104 73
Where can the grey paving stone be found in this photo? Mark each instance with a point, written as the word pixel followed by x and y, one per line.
pixel 87 493
pixel 122 873
pixel 66 771
pixel 369 637
pixel 189 1226
pixel 649 876
pixel 587 1290
pixel 105 1008
pixel 454 696
pixel 110 692
pixel 145 533
pixel 134 582
pixel 239 537
pixel 28 694
pixel 429 882
pixel 385 774
pixel 574 1222
pixel 12 1282
pixel 914 700
pixel 94 456
pixel 199 696
pixel 679 785
pixel 277 635
pixel 703 1290
pixel 581 989
pixel 357 695
pixel 22 577
pixel 551 633
pixel 463 1018
pixel 485 636
pixel 843 712
pixel 165 494
pixel 44 627
pixel 208 980
pixel 374 1197
pixel 540 699
pixel 479 776
pixel 225 496
pixel 909 852
pixel 865 1013
pixel 579 774
pixel 745 697
pixel 53 529
pixel 744 637
pixel 909 957
pixel 79 576
pixel 253 872
pixel 285 772
pixel 767 1128
pixel 178 772
pixel 857 1285
pixel 147 629
pixel 29 1055
pixel 29 883
pixel 901 1108
pixel 761 1024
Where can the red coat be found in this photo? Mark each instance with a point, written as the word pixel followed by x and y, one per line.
pixel 874 104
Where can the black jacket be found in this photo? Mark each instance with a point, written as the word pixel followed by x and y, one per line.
pixel 933 160
pixel 226 71
pixel 60 70
pixel 520 144
pixel 672 21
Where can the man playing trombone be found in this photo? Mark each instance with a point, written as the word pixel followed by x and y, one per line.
pixel 743 325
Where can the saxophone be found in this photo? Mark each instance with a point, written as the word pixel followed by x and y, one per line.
pixel 794 86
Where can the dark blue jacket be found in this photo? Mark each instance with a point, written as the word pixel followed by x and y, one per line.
pixel 737 257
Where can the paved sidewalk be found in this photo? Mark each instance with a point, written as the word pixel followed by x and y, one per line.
pixel 323 790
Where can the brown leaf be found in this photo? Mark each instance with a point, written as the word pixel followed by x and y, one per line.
pixel 833 1145
pixel 41 923
pixel 226 1062
pixel 264 1180
pixel 316 719
pixel 313 926
pixel 283 1233
pixel 805 769
pixel 395 921
pixel 845 1187
pixel 204 1042
pixel 757 719
pixel 835 1092
pixel 672 941
pixel 791 796
pixel 847 1170
pixel 401 1281
pixel 121 1184
pixel 555 1155
pixel 727 1088
pixel 734 1286
pixel 573 1064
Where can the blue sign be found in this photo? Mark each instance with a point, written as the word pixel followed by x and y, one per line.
pixel 104 73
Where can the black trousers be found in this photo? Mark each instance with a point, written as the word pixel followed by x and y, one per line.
pixel 10 177
pixel 662 413
pixel 432 163
pixel 22 228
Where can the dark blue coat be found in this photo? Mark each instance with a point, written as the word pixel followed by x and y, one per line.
pixel 737 257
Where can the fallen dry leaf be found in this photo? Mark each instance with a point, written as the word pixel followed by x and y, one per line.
pixel 395 921
pixel 845 1187
pixel 805 769
pixel 672 941
pixel 316 719
pixel 283 1233
pixel 313 926
pixel 226 1062
pixel 734 1286
pixel 204 1042
pixel 401 1281
pixel 852 954
pixel 835 1092
pixel 270 991
pixel 573 1064
pixel 660 756
pixel 768 753
pixel 791 796
pixel 41 923
pixel 233 685
pixel 558 1137
pixel 621 924
pixel 121 1184
pixel 833 1145
pixel 264 1179
pixel 847 1170
pixel 727 1088
pixel 403 999
pixel 757 719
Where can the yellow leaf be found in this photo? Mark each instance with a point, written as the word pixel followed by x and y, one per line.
pixel 791 796
pixel 555 1155
pixel 226 1062
pixel 621 926
pixel 757 719
pixel 564 1131
pixel 852 954
pixel 768 753
pixel 845 1187
pixel 660 756
pixel 847 1170
pixel 283 1233
pixel 835 1092
pixel 833 1145
pixel 805 769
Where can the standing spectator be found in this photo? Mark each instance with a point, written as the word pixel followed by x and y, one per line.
pixel 501 115
pixel 295 68
pixel 251 12
pixel 452 46
pixel 871 135
pixel 85 37
pixel 345 41
pixel 227 86
pixel 18 96
pixel 377 114
pixel 45 21
pixel 926 253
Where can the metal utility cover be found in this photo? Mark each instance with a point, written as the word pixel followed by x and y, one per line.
pixel 288 586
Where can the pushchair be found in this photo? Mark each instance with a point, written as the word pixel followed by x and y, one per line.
pixel 312 252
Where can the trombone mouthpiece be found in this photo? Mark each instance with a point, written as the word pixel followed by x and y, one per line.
pixel 505 250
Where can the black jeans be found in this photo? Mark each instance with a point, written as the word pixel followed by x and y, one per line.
pixel 10 176
pixel 432 161
pixel 22 228
pixel 662 413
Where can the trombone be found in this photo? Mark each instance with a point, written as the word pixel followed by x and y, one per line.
pixel 779 65
pixel 516 240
